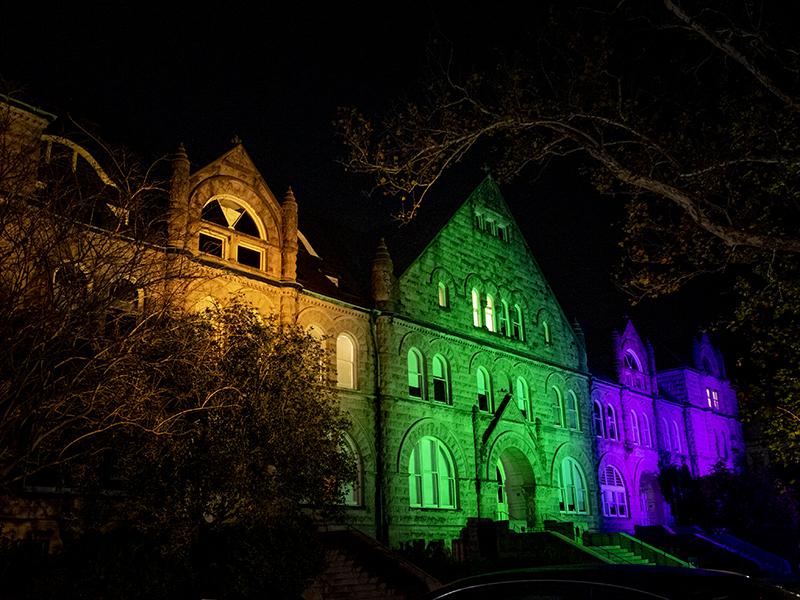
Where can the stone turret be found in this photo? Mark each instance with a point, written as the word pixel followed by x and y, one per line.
pixel 383 280
pixel 289 246
pixel 179 199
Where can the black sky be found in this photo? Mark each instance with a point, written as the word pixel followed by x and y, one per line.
pixel 151 78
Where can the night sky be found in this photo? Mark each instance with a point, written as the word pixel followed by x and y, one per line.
pixel 274 76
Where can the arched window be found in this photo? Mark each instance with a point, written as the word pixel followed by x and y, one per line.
pixel 504 318
pixel 316 332
pixel 666 436
pixel 431 476
pixel 572 411
pixel 70 286
pixel 611 422
pixel 123 310
pixel 416 379
pixel 517 330
pixel 558 407
pixel 502 495
pixel 572 487
pixel 352 491
pixel 345 361
pixel 633 375
pixel 635 428
pixel 476 308
pixel 676 443
pixel 631 361
pixel 523 401
pixel 444 296
pixel 724 443
pixel 441 379
pixel 229 239
pixel 647 439
pixel 597 419
pixel 484 390
pixel 488 313
pixel 612 492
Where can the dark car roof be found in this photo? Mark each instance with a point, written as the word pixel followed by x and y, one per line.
pixel 661 582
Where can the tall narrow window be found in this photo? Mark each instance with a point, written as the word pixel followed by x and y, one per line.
pixel 476 308
pixel 715 399
pixel 517 331
pixel 572 487
pixel 611 422
pixel 708 398
pixel 415 374
pixel 345 361
pixel 635 428
pixel 444 300
pixel 666 435
pixel 502 496
pixel 647 439
pixel 504 318
pixel 558 407
pixel 597 419
pixel 488 313
pixel 676 444
pixel 612 492
pixel 521 392
pixel 352 491
pixel 316 332
pixel 572 411
pixel 441 380
pixel 484 390
pixel 431 476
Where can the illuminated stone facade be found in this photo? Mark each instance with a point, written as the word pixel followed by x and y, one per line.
pixel 467 387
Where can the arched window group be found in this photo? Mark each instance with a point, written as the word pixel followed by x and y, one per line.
pixel 431 475
pixel 440 377
pixel 612 493
pixel 565 409
pixel 501 317
pixel 671 436
pixel 632 372
pixel 231 232
pixel 572 488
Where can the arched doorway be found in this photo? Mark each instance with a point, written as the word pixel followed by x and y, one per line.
pixel 516 490
pixel 651 501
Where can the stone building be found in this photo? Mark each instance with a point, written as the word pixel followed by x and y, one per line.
pixel 468 389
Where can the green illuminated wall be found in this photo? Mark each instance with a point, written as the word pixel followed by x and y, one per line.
pixel 481 248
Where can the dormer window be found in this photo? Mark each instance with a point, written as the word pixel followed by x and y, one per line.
pixel 231 232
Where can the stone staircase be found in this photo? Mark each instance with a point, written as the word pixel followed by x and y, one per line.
pixel 623 549
pixel 620 556
pixel 360 568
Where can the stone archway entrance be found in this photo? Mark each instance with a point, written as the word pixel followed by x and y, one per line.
pixel 516 490
pixel 651 501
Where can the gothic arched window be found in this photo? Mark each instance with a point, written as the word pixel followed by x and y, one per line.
pixel 484 385
pixel 431 475
pixel 441 379
pixel 613 494
pixel 572 488
pixel 416 379
pixel 345 361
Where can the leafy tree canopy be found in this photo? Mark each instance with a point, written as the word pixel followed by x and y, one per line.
pixel 196 447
